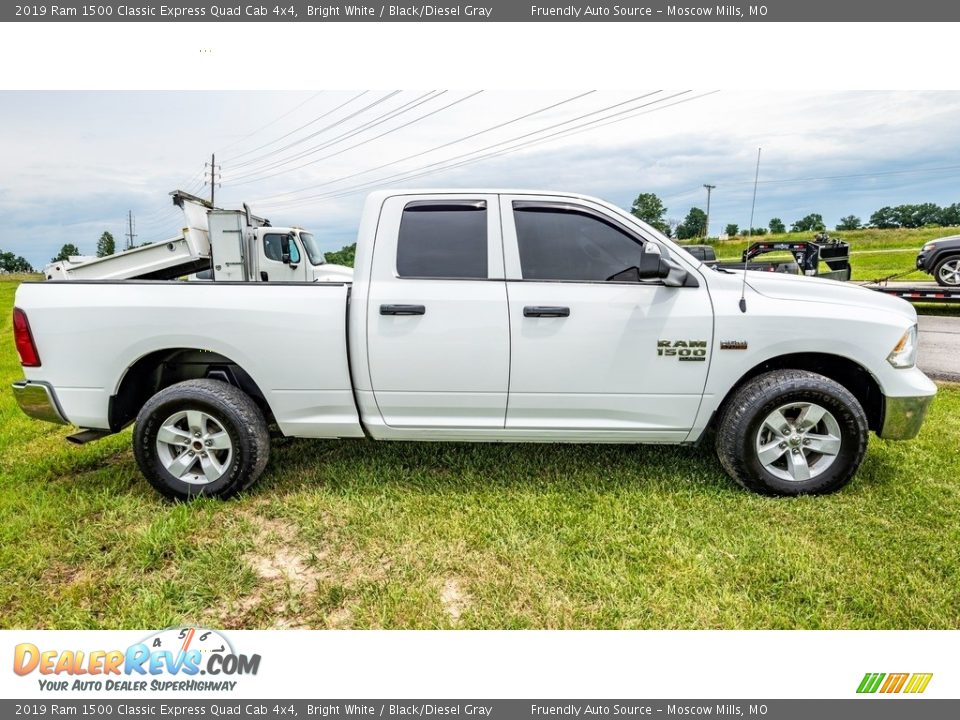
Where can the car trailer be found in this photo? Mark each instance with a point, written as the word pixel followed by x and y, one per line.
pixel 807 255
pixel 916 292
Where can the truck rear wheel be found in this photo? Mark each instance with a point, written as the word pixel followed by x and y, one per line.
pixel 792 432
pixel 201 437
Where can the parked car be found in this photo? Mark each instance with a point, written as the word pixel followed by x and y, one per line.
pixel 481 316
pixel 941 258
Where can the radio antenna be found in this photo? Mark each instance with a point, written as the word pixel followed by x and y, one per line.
pixel 746 257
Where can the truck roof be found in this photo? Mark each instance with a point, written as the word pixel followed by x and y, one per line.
pixel 380 194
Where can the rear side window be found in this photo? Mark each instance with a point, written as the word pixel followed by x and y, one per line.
pixel 443 239
pixel 557 242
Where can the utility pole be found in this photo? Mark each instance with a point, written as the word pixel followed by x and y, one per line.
pixel 214 176
pixel 710 188
pixel 130 233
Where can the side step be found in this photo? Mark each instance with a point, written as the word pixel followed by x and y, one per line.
pixel 85 436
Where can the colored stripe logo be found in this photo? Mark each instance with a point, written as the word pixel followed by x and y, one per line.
pixel 913 683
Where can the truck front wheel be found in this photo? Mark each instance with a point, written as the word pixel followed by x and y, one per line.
pixel 201 437
pixel 792 432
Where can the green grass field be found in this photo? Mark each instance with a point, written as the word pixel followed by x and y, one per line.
pixel 381 535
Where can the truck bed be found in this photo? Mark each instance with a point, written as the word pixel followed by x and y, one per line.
pixel 290 338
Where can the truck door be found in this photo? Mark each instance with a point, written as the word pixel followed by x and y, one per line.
pixel 281 258
pixel 438 337
pixel 595 351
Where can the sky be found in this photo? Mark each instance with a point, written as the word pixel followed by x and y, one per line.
pixel 74 163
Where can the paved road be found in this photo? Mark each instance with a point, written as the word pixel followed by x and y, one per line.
pixel 940 347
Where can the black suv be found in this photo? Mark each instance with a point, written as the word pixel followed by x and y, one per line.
pixel 941 258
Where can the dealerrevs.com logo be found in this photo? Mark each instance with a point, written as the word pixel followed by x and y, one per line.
pixel 890 683
pixel 172 659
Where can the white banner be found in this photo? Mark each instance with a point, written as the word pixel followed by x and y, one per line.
pixel 197 663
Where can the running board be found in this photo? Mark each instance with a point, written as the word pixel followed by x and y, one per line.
pixel 85 436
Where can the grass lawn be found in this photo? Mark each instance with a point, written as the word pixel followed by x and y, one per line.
pixel 361 534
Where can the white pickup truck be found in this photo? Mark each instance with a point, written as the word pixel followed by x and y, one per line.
pixel 481 316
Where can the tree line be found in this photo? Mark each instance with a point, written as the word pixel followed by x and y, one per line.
pixel 649 208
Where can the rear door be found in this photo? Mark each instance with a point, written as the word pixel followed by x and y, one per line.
pixel 594 352
pixel 438 335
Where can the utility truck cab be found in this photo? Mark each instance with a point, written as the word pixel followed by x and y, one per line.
pixel 214 244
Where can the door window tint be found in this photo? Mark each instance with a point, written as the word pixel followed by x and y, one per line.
pixel 561 243
pixel 443 239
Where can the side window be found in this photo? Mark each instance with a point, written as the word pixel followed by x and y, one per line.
pixel 563 243
pixel 275 245
pixel 443 239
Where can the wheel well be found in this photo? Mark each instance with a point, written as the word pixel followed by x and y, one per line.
pixel 945 254
pixel 162 368
pixel 844 371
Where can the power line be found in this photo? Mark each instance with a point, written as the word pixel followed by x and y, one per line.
pixel 298 129
pixel 368 140
pixel 437 147
pixel 272 122
pixel 412 174
pixel 852 176
pixel 252 175
pixel 464 158
pixel 498 144
pixel 254 161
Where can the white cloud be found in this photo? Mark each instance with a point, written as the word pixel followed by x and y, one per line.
pixel 75 162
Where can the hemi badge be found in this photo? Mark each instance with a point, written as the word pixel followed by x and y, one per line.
pixel 733 344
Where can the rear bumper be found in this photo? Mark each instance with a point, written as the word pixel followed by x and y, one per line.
pixel 903 416
pixel 38 400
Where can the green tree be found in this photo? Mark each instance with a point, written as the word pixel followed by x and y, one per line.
pixel 693 225
pixel 758 231
pixel 950 215
pixel 65 252
pixel 344 256
pixel 649 208
pixel 10 263
pixel 884 218
pixel 812 222
pixel 916 216
pixel 106 245
pixel 777 227
pixel 732 229
pixel 850 222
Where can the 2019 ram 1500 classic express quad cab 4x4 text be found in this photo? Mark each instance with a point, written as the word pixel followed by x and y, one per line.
pixel 481 316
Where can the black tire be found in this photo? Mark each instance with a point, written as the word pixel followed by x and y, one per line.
pixel 225 405
pixel 743 417
pixel 936 271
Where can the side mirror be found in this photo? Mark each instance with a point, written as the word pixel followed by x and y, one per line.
pixel 286 252
pixel 654 266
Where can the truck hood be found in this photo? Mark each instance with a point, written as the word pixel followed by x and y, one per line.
pixel 810 289
pixel 328 272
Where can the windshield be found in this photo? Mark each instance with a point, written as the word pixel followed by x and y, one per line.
pixel 312 248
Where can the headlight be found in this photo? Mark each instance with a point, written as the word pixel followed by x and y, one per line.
pixel 929 246
pixel 904 353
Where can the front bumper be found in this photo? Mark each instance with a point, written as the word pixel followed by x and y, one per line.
pixel 903 416
pixel 38 400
